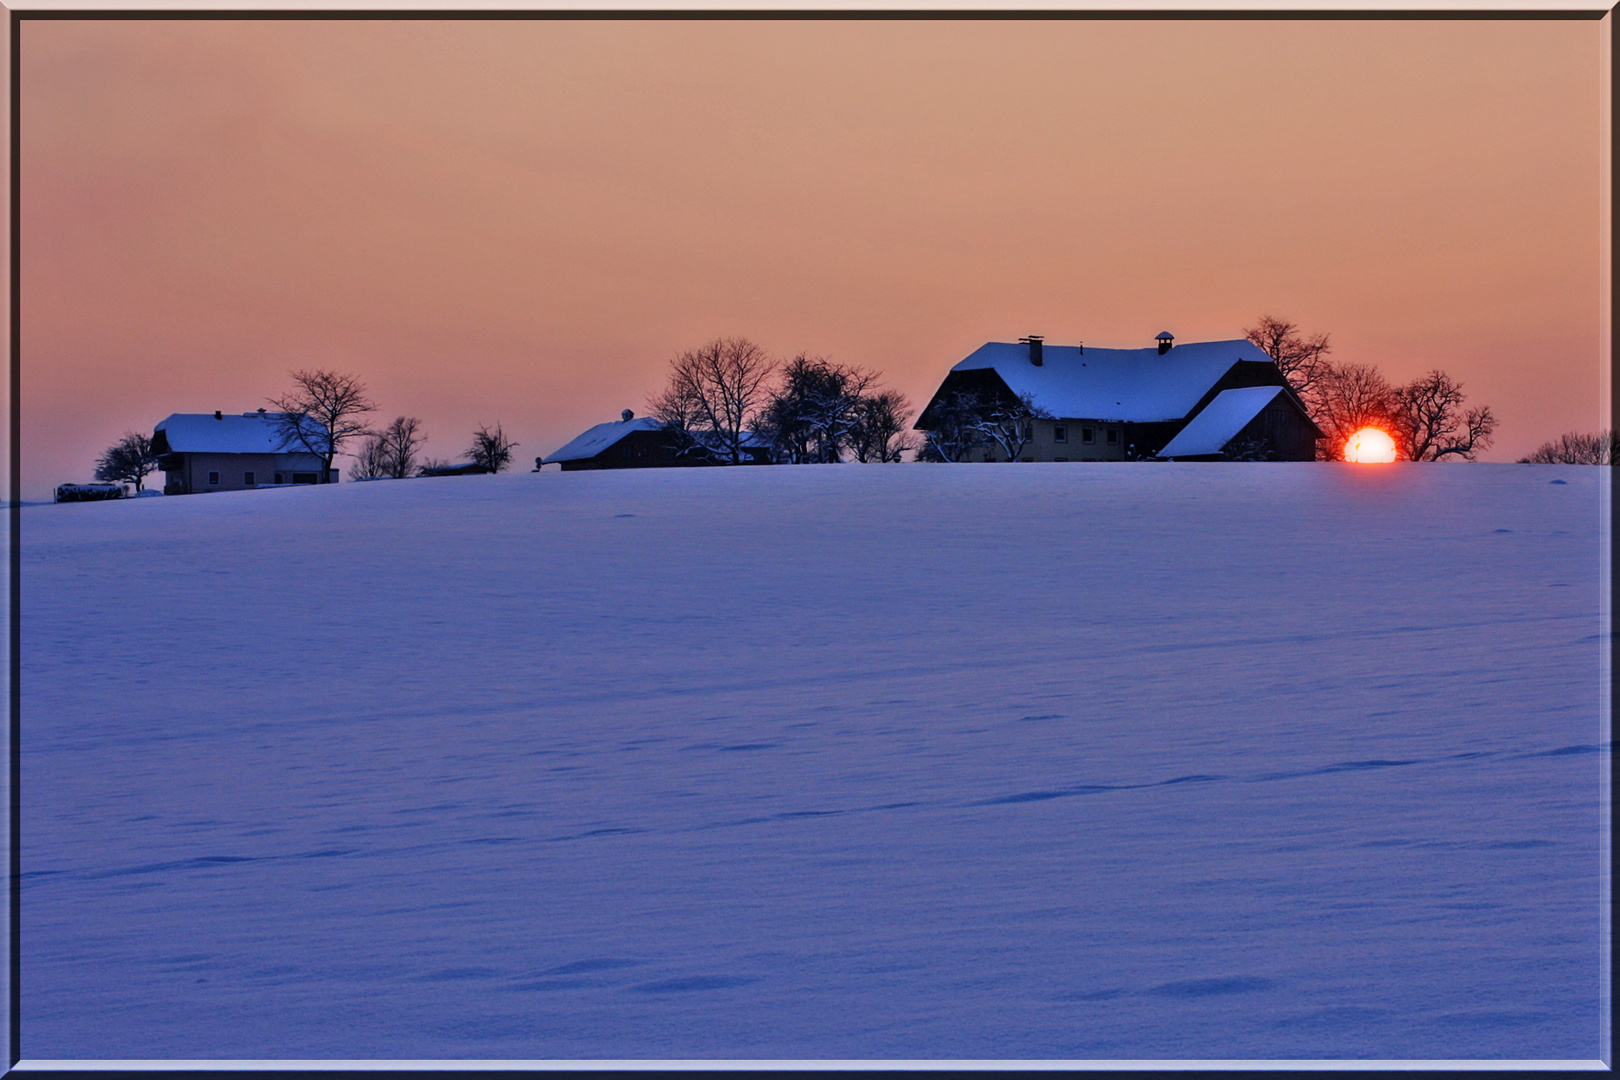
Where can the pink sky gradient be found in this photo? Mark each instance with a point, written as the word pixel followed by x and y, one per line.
pixel 521 221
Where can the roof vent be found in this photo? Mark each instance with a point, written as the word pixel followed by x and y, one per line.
pixel 1165 339
pixel 627 416
pixel 1034 343
pixel 218 415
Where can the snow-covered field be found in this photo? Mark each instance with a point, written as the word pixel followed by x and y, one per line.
pixel 988 761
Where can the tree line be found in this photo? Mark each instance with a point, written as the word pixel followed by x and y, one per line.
pixel 730 396
pixel 1428 418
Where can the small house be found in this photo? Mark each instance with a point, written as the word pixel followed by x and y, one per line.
pixel 633 442
pixel 1202 400
pixel 200 452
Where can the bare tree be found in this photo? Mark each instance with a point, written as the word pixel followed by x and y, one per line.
pixel 953 430
pixel 401 440
pixel 1573 448
pixel 714 392
pixel 1431 423
pixel 1009 423
pixel 430 465
pixel 371 463
pixel 1302 360
pixel 491 449
pixel 1347 398
pixel 129 459
pixel 880 429
pixel 322 413
pixel 813 415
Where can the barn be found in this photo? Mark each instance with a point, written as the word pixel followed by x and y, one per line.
pixel 1199 401
pixel 637 443
pixel 228 452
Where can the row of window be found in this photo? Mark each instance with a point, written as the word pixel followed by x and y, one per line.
pixel 252 480
pixel 1060 433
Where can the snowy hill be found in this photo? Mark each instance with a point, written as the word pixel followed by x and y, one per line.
pixel 1032 761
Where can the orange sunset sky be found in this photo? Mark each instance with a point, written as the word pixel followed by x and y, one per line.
pixel 521 221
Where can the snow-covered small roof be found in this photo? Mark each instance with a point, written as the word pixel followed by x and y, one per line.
pixel 232 433
pixel 602 436
pixel 1219 421
pixel 1135 385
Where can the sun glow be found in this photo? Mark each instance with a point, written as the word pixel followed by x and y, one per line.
pixel 1370 446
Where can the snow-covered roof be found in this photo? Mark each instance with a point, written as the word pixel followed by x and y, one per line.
pixel 231 433
pixel 1220 420
pixel 602 436
pixel 1135 385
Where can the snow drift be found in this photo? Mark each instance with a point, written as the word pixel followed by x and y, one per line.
pixel 1016 761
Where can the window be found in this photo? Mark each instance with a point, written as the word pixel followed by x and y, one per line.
pixel 247 479
pixel 213 478
pixel 278 478
pixel 304 478
pixel 1087 435
pixel 1060 434
pixel 625 452
pixel 1113 435
pixel 989 455
pixel 1060 459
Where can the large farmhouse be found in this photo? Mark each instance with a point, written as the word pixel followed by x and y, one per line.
pixel 226 452
pixel 1200 401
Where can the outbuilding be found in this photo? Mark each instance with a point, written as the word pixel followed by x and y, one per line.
pixel 645 442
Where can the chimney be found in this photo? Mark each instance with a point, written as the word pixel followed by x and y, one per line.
pixel 1165 339
pixel 261 410
pixel 218 415
pixel 1034 343
pixel 627 416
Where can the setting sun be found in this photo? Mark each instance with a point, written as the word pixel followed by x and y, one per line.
pixel 1370 446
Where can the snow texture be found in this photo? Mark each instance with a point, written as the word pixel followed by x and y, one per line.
pixel 249 433
pixel 983 761
pixel 1220 420
pixel 602 436
pixel 1134 385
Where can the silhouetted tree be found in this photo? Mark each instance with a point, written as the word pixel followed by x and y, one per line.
pixel 954 427
pixel 813 415
pixel 880 428
pixel 401 440
pixel 321 413
pixel 1431 422
pixel 714 392
pixel 491 449
pixel 1347 398
pixel 371 462
pixel 1574 448
pixel 1302 360
pixel 129 460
